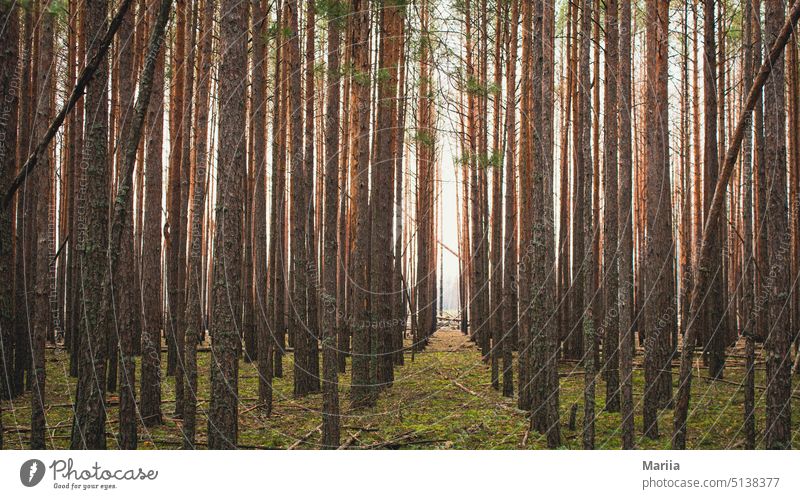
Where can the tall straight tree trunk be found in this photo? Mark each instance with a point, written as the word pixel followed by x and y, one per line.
pixel 509 303
pixel 715 301
pixel 382 189
pixel 68 176
pixel 298 316
pixel 585 285
pixel 496 226
pixel 778 434
pixel 125 295
pixel 10 86
pixel 88 429
pixel 540 321
pixel 532 191
pixel 73 333
pixel 610 221
pixel 760 188
pixel 150 384
pixel 185 169
pixel 551 338
pixel 597 265
pixel 575 343
pixel 625 224
pixel 313 336
pixel 330 306
pixel 176 109
pixel 361 391
pixel 24 216
pixel 660 313
pixel 45 237
pixel 195 320
pixel 793 92
pixel 140 42
pixel 573 338
pixel 226 285
pixel 277 265
pixel 342 282
pixel 482 192
pixel 470 186
pixel 685 227
pixel 610 324
pixel 261 309
pixel 697 174
pixel 424 287
pixel 564 240
pixel 399 288
pixel 748 267
pixel 525 148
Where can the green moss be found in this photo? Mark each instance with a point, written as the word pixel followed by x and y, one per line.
pixel 425 408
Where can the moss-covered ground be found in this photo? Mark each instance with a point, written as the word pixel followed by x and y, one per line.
pixel 442 399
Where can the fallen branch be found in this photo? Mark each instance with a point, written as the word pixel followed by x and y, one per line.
pixel 305 438
pixel 347 443
pixel 394 440
pixel 250 409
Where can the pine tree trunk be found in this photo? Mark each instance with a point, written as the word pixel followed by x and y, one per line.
pixel 24 216
pixel 496 226
pixel 715 301
pixel 361 391
pixel 575 343
pixel 399 288
pixel 126 298
pixel 610 219
pixel 277 264
pixel 186 173
pixel 748 268
pixel 551 333
pixel 195 321
pixel 88 429
pixel 151 375
pixel 685 227
pixel 174 283
pixel 523 259
pixel 585 285
pixel 10 86
pixel 625 223
pixel 509 312
pixel 226 285
pixel 564 241
pixel 73 333
pixel 298 310
pixel 330 306
pixel 260 186
pixel 313 337
pixel 342 282
pixel 660 312
pixel 44 251
pixel 776 344
pixel 382 190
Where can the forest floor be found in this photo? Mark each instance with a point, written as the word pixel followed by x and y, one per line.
pixel 442 399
